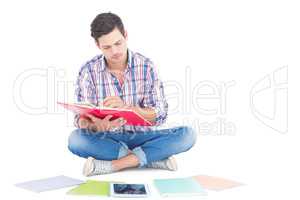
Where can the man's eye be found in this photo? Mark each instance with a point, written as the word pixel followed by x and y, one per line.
pixel 118 43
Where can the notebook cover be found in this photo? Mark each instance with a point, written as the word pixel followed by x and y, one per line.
pixel 91 187
pixel 132 118
pixel 179 187
pixel 216 183
pixel 50 183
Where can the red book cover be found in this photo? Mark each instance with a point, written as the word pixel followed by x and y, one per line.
pixel 131 117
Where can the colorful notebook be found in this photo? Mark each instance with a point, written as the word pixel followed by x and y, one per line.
pixel 179 187
pixel 91 187
pixel 132 118
pixel 51 183
pixel 215 183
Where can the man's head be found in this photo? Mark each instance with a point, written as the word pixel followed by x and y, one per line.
pixel 110 36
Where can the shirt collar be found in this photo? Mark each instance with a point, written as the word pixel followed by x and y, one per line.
pixel 129 61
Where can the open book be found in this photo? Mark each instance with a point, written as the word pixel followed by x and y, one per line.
pixel 132 118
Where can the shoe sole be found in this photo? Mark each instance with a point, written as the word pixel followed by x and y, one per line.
pixel 88 166
pixel 172 164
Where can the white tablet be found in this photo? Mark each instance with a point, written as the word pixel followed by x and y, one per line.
pixel 129 190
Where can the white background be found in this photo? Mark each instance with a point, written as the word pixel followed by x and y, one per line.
pixel 198 46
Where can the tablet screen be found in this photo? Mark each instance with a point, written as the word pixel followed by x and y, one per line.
pixel 130 189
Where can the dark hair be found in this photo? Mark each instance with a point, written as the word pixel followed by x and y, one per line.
pixel 105 23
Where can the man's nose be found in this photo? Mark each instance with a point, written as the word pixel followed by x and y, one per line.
pixel 113 50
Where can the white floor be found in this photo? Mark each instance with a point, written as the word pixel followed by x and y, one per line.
pixel 264 162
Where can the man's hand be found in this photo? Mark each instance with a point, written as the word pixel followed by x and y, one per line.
pixel 83 122
pixel 114 102
pixel 97 124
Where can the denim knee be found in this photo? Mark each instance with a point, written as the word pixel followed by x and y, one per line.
pixel 77 142
pixel 188 137
pixel 84 144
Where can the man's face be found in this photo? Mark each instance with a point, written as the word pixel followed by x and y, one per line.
pixel 113 46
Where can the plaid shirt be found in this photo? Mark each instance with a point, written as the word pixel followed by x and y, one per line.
pixel 141 86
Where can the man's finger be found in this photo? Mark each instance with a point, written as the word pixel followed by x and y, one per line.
pixel 114 104
pixel 108 117
pixel 91 117
pixel 106 103
pixel 119 122
pixel 110 98
pixel 123 122
pixel 110 102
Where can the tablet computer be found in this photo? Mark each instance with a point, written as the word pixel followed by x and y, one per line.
pixel 129 190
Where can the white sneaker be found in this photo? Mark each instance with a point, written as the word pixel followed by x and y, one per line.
pixel 96 167
pixel 168 164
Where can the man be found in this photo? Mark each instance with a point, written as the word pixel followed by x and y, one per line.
pixel 120 78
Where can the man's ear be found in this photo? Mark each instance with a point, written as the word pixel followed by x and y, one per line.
pixel 97 44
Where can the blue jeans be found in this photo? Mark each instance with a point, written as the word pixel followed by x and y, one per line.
pixel 148 146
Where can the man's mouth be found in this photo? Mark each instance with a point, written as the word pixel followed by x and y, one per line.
pixel 117 56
